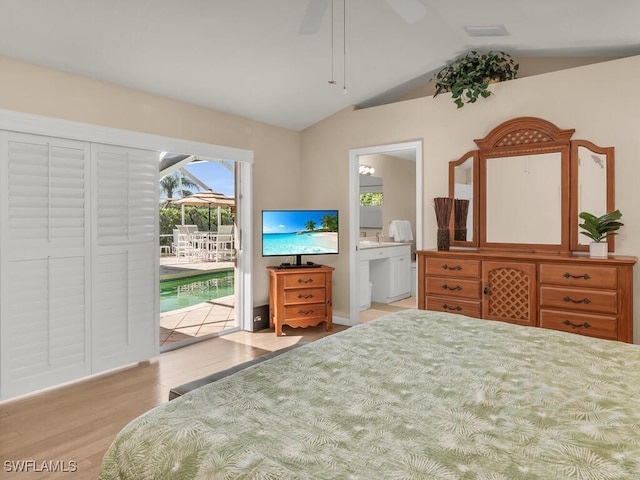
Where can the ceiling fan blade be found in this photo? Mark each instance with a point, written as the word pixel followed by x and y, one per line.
pixel 410 10
pixel 313 17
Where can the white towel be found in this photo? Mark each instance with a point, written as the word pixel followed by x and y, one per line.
pixel 400 230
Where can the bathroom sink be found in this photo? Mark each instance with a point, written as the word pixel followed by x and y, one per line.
pixel 371 243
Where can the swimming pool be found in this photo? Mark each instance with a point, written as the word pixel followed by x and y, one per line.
pixel 188 291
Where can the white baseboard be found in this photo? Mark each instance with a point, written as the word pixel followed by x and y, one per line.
pixel 345 321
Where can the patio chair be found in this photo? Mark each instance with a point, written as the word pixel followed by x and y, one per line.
pixel 183 246
pixel 224 243
pixel 200 244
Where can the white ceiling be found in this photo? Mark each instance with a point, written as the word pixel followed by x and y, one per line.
pixel 246 57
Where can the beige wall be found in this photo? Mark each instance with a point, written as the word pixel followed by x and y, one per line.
pixel 593 99
pixel 36 90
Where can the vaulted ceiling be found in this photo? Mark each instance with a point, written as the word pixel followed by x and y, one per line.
pixel 249 58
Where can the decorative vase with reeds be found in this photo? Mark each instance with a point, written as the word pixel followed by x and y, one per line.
pixel 443 207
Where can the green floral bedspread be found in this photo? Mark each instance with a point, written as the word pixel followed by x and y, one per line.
pixel 413 395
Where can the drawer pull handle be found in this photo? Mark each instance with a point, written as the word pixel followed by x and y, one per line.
pixel 584 300
pixel 568 323
pixel 305 296
pixel 305 312
pixel 457 308
pixel 305 281
pixel 568 275
pixel 447 287
pixel 447 267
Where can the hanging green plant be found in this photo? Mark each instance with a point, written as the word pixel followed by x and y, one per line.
pixel 468 77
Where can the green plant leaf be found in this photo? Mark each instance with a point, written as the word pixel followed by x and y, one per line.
pixel 599 228
pixel 468 76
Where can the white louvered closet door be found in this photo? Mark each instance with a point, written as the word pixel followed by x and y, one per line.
pixel 125 238
pixel 44 208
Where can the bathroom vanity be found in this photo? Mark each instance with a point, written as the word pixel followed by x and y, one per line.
pixel 385 272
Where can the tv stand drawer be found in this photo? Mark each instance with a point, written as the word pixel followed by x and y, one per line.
pixel 296 312
pixel 304 295
pixel 297 279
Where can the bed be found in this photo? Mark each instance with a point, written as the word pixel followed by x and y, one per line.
pixel 415 394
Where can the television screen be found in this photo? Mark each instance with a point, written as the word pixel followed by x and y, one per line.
pixel 299 232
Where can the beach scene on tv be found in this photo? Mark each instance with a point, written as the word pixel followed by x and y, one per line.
pixel 299 232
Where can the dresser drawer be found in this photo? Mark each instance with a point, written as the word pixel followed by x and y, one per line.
pixel 601 326
pixel 578 299
pixel 580 275
pixel 454 305
pixel 453 287
pixel 304 295
pixel 452 267
pixel 307 311
pixel 304 280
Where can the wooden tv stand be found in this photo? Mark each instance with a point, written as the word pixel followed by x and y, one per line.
pixel 299 297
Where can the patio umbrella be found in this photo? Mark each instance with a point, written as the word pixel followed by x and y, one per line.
pixel 207 198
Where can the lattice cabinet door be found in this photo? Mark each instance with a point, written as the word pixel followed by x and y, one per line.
pixel 509 292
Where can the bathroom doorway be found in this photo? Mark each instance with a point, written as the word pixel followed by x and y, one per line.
pixel 399 169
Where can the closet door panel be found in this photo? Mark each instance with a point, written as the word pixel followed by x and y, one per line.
pixel 125 286
pixel 44 304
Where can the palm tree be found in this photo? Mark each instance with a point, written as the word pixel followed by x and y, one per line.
pixel 170 183
pixel 311 225
pixel 330 222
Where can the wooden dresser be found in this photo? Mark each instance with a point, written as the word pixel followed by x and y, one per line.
pixel 572 293
pixel 299 297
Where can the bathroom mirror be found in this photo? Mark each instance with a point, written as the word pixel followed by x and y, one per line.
pixel 592 187
pixel 463 185
pixel 370 201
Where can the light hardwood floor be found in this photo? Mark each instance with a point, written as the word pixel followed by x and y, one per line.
pixel 77 423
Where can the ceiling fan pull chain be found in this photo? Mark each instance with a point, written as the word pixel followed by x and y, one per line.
pixel 333 80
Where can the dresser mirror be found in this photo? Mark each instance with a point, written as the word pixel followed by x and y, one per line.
pixel 527 190
pixel 593 186
pixel 529 181
pixel 524 183
pixel 463 185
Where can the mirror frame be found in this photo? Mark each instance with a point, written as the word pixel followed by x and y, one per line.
pixel 473 155
pixel 609 152
pixel 527 136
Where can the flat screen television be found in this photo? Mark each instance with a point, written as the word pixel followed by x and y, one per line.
pixel 299 232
